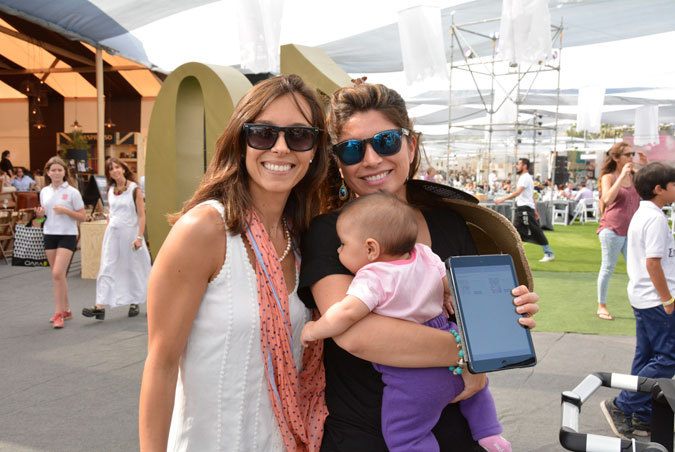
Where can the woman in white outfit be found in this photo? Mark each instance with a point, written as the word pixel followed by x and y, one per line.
pixel 225 367
pixel 125 262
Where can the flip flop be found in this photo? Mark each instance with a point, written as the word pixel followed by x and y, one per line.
pixel 604 316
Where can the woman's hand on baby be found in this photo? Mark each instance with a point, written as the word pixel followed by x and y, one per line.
pixel 472 384
pixel 526 303
pixel 306 336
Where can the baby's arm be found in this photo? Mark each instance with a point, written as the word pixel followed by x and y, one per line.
pixel 447 298
pixel 336 320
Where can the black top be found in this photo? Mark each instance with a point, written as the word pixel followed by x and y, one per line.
pixel 353 386
pixel 6 165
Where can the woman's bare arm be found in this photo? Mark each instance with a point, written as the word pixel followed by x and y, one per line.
pixel 191 255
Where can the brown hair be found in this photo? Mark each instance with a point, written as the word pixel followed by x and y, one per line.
pixel 385 218
pixel 347 101
pixel 226 178
pixel 609 165
pixel 128 175
pixel 58 161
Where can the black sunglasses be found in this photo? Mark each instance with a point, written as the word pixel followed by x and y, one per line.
pixel 388 142
pixel 264 136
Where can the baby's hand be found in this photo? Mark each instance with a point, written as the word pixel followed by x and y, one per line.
pixel 447 304
pixel 306 335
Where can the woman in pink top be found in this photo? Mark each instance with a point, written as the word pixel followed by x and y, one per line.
pixel 618 203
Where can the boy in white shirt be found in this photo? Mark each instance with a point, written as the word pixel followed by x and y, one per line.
pixel 651 285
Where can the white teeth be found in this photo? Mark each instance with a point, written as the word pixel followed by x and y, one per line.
pixel 274 167
pixel 376 177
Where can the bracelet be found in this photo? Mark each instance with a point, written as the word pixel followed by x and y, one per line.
pixel 461 364
pixel 669 302
pixel 139 237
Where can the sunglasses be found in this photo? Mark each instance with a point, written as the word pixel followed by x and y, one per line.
pixel 386 143
pixel 628 154
pixel 264 136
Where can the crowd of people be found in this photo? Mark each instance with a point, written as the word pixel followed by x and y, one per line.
pixel 268 325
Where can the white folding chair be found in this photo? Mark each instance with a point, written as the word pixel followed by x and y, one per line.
pixel 590 210
pixel 559 213
pixel 579 212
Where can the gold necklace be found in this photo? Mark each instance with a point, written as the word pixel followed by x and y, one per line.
pixel 121 190
pixel 287 233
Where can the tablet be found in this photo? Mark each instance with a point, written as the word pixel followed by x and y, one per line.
pixel 488 324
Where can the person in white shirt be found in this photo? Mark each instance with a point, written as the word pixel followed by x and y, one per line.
pixel 492 180
pixel 583 193
pixel 527 219
pixel 62 207
pixel 651 286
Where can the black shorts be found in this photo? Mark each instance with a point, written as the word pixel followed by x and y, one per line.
pixel 54 241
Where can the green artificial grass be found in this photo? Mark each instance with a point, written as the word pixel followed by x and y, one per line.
pixel 567 286
pixel 576 248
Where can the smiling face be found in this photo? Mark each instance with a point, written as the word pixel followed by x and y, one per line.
pixel 278 170
pixel 375 172
pixel 116 173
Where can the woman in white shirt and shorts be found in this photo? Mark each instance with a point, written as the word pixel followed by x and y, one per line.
pixel 62 206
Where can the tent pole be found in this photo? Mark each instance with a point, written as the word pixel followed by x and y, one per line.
pixel 100 140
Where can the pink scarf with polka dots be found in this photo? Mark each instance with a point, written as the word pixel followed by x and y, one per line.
pixel 297 399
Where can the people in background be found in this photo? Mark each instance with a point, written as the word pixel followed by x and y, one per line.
pixel 527 218
pixel 584 192
pixel 651 286
pixel 6 164
pixel 125 261
pixel 618 202
pixel 62 207
pixel 22 181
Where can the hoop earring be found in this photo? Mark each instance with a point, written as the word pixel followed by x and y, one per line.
pixel 343 192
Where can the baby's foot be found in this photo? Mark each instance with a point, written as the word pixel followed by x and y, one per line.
pixel 495 443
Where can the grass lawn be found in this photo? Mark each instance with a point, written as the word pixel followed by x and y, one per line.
pixel 567 286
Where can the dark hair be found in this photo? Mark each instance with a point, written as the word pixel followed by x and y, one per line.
pixel 5 153
pixel 653 175
pixel 128 175
pixel 526 161
pixel 348 101
pixel 226 178
pixel 385 218
pixel 56 160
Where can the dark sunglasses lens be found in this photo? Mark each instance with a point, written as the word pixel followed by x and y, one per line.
pixel 349 152
pixel 387 143
pixel 262 137
pixel 300 139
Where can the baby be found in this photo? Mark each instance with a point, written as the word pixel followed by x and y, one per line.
pixel 396 277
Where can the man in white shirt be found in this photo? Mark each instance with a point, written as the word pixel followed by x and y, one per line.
pixel 583 193
pixel 492 180
pixel 651 286
pixel 526 221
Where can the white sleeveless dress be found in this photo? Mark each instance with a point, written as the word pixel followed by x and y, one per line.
pixel 221 402
pixel 123 275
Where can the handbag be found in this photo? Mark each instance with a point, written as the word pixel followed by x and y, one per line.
pixel 29 247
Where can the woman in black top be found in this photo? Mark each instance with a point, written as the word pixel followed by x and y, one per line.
pixel 377 150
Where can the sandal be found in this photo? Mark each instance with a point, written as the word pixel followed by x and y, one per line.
pixel 93 311
pixel 604 315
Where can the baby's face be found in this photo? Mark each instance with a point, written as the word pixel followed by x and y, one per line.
pixel 352 251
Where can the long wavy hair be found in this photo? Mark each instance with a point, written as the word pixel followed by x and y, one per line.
pixel 348 101
pixel 226 178
pixel 609 164
pixel 128 175
pixel 56 160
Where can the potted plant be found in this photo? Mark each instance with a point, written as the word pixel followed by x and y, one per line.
pixel 77 148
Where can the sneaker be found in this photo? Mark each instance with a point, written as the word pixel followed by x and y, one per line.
pixel 640 428
pixel 616 419
pixel 58 320
pixel 67 315
pixel 93 311
pixel 547 258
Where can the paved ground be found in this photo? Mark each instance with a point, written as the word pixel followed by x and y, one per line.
pixel 77 389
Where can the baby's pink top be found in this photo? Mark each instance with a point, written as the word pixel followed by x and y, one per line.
pixel 409 289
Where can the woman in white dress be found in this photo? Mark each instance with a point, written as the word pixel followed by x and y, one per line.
pixel 225 368
pixel 125 262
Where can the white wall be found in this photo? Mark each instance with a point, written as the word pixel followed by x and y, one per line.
pixel 14 130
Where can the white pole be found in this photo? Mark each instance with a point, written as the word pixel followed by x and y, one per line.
pixel 100 139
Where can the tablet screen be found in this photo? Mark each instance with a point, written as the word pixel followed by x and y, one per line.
pixel 493 336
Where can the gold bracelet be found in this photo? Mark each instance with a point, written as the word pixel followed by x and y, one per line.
pixel 669 302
